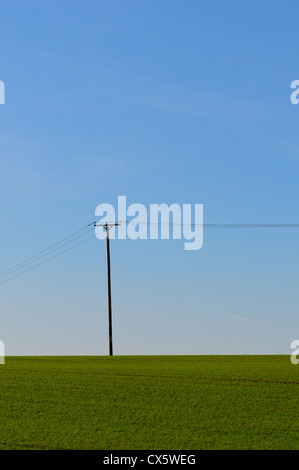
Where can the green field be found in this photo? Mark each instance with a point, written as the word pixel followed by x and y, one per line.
pixel 149 402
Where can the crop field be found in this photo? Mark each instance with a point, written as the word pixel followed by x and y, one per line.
pixel 149 402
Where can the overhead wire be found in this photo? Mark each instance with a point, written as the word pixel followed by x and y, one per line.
pixel 8 271
pixel 46 261
pixel 37 258
pixel 72 238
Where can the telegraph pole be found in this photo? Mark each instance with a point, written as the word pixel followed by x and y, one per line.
pixel 107 226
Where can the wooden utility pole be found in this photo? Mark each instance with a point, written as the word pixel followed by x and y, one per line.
pixel 107 226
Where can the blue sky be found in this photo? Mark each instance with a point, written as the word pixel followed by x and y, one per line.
pixel 170 101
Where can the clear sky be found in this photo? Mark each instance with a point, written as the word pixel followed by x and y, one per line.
pixel 162 101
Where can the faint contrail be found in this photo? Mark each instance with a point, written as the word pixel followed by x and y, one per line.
pixel 244 320
pixel 226 313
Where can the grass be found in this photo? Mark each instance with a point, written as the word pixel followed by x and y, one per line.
pixel 149 402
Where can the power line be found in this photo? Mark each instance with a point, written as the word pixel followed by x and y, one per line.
pixel 60 244
pixel 46 261
pixel 21 264
pixel 251 225
pixel 222 225
pixel 36 258
pixel 219 225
